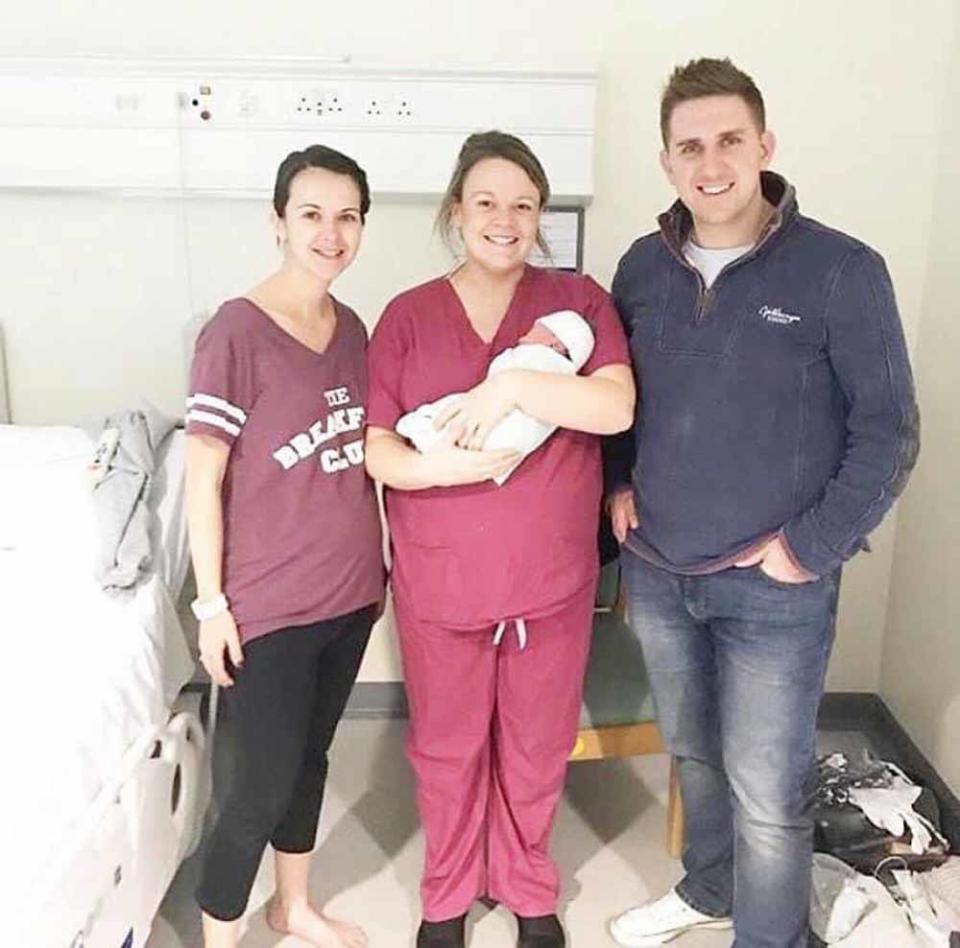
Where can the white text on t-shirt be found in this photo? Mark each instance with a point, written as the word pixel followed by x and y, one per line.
pixel 304 444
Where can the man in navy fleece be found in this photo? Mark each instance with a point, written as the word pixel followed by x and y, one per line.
pixel 775 426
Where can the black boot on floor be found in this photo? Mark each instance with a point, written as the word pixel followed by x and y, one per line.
pixel 542 931
pixel 446 934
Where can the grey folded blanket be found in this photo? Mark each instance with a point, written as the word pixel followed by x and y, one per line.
pixel 120 497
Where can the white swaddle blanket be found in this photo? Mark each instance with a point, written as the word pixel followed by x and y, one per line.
pixel 517 430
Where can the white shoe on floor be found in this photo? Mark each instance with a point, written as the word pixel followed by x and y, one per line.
pixel 656 923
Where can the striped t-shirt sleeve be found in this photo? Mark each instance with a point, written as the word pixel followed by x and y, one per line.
pixel 222 383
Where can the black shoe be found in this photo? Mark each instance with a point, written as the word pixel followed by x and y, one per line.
pixel 541 931
pixel 446 934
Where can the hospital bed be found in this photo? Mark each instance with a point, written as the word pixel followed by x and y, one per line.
pixel 104 780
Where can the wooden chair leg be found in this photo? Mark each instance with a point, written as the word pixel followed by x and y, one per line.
pixel 674 813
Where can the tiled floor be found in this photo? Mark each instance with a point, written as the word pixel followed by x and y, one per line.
pixel 609 842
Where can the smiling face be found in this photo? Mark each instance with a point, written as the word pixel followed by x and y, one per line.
pixel 714 155
pixel 499 215
pixel 321 225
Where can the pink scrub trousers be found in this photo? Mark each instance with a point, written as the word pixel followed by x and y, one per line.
pixel 491 730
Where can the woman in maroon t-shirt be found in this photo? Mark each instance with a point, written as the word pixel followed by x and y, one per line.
pixel 285 538
pixel 493 585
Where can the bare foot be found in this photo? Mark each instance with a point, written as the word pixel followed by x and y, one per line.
pixel 307 923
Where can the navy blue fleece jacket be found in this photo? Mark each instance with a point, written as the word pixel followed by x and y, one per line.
pixel 779 400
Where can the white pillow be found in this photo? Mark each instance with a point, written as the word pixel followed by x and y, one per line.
pixel 46 506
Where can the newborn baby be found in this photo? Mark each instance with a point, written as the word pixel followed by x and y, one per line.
pixel 560 343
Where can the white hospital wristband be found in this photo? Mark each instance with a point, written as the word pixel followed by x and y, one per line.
pixel 209 609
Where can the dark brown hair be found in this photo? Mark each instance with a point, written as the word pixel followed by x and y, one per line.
pixel 318 156
pixel 476 148
pixel 703 77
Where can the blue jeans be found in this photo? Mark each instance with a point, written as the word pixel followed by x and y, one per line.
pixel 736 664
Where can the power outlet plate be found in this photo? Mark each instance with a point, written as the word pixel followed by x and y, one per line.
pixel 321 103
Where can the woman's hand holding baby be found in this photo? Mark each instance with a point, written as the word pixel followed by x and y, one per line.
pixel 451 466
pixel 472 417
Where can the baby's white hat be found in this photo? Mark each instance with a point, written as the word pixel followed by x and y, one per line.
pixel 572 330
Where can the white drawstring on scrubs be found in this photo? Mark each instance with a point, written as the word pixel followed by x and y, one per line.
pixel 519 625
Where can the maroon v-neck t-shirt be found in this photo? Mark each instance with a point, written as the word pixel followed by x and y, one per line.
pixel 470 555
pixel 301 528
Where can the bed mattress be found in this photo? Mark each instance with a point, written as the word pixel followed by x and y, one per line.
pixel 87 679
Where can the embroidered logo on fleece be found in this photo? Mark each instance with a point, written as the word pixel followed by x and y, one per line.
pixel 773 314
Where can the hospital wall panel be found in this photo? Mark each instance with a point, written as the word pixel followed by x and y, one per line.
pixel 98 288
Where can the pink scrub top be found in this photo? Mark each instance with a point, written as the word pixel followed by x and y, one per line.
pixel 477 554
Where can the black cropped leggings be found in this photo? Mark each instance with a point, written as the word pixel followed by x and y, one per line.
pixel 285 705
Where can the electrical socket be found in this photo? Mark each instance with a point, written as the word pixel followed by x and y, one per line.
pixel 387 107
pixel 375 106
pixel 321 102
pixel 332 102
pixel 309 103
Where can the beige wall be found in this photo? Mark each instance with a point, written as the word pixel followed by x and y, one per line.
pixel 98 288
pixel 921 661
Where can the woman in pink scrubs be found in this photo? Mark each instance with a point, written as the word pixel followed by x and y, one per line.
pixel 493 586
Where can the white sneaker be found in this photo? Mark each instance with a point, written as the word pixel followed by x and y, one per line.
pixel 656 923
